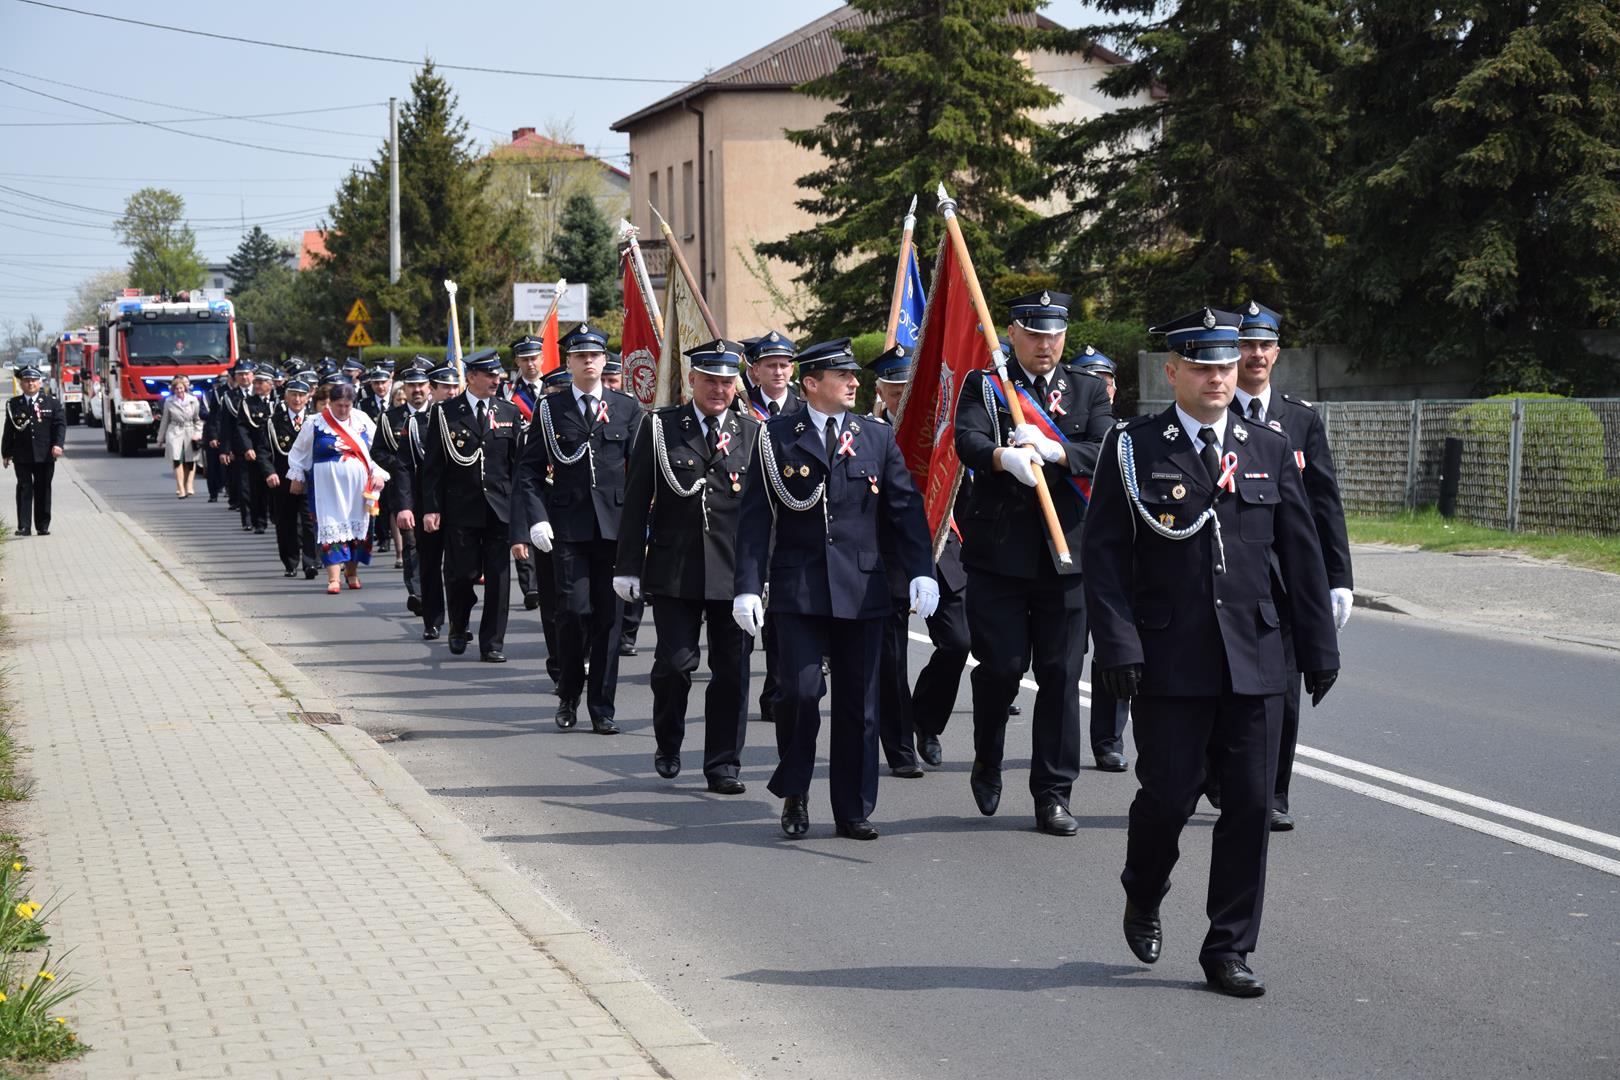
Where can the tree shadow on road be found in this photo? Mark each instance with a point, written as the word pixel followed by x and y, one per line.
pixel 917 977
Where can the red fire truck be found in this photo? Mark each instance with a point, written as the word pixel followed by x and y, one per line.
pixel 73 361
pixel 144 342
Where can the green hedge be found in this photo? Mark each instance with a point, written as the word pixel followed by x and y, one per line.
pixel 1563 479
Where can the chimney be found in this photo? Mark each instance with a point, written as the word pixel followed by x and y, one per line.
pixel 519 133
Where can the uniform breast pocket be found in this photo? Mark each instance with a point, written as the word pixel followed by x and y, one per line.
pixel 1167 491
pixel 1257 503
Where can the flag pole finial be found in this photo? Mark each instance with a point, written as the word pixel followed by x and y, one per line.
pixel 947 205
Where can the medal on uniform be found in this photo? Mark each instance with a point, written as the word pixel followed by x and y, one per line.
pixel 1179 491
pixel 735 486
pixel 1167 519
pixel 874 486
pixel 787 471
pixel 804 470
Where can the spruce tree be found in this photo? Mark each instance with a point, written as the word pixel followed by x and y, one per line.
pixel 585 251
pixel 253 256
pixel 928 91
pixel 1211 186
pixel 1480 203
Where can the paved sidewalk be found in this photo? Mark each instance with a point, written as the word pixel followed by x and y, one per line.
pixel 1496 590
pixel 248 895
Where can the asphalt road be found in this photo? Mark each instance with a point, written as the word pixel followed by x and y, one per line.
pixel 1410 930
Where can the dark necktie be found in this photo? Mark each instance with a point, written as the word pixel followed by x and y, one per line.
pixel 1211 456
pixel 773 408
pixel 589 402
pixel 714 436
pixel 480 418
pixel 1254 410
pixel 832 441
pixel 1040 391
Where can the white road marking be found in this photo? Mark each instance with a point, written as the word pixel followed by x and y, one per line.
pixel 1467 821
pixel 1027 684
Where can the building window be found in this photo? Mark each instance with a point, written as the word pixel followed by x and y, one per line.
pixel 652 194
pixel 219 283
pixel 688 218
pixel 669 189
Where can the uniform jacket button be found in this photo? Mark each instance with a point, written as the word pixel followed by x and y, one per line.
pixel 1218 603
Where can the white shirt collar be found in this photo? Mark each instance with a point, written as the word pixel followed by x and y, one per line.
pixel 1192 427
pixel 1244 397
pixel 781 402
pixel 579 395
pixel 818 419
pixel 474 400
pixel 704 421
pixel 1034 380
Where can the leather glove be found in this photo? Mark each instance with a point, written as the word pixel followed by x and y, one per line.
pixel 1343 601
pixel 1123 681
pixel 1051 450
pixel 1019 463
pixel 540 535
pixel 748 613
pixel 628 588
pixel 924 596
pixel 1318 683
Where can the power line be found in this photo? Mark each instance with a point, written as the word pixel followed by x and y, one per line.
pixel 355 56
pixel 119 213
pixel 165 179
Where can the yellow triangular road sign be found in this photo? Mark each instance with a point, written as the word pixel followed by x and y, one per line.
pixel 358 313
pixel 359 338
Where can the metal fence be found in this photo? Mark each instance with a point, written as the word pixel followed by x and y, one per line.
pixel 1545 465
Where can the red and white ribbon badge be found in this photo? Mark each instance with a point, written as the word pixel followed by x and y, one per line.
pixel 846 444
pixel 722 443
pixel 1299 459
pixel 1054 403
pixel 601 411
pixel 1228 478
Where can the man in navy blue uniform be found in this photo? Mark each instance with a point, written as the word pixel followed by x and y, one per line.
pixel 824 484
pixel 1022 606
pixel 1258 401
pixel 570 497
pixel 35 433
pixel 677 544
pixel 1190 511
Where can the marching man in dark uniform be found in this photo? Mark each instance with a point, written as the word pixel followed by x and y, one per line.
pixel 219 431
pixel 419 432
pixel 631 611
pixel 213 409
pixel 1191 509
pixel 677 544
pixel 470 460
pixel 373 401
pixel 295 525
pixel 1257 401
pixel 525 391
pixel 249 437
pixel 1019 606
pixel 825 483
pixel 392 449
pixel 571 490
pixel 36 430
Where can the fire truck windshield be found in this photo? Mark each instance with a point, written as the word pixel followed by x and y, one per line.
pixel 178 342
pixel 73 354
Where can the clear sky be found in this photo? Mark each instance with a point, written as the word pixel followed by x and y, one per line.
pixel 57 149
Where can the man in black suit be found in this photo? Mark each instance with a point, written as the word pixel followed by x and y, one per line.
pixel 295 525
pixel 392 449
pixel 825 484
pixel 36 430
pixel 406 471
pixel 631 611
pixel 1021 604
pixel 1191 510
pixel 213 409
pixel 468 467
pixel 249 441
pixel 677 544
pixel 219 431
pixel 1257 401
pixel 571 491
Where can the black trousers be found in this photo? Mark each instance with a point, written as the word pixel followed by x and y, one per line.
pixel 1012 621
pixel 725 703
pixel 587 623
pixel 933 699
pixel 1109 715
pixel 34 492
pixel 895 730
pixel 630 621
pixel 1174 737
pixel 1289 739
pixel 430 573
pixel 537 576
pixel 770 691
pixel 215 471
pixel 412 571
pixel 852 647
pixel 468 552
pixel 295 528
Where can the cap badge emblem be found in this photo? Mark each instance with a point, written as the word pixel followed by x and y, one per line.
pixel 1046 298
pixel 1209 319
pixel 1254 308
pixel 1090 351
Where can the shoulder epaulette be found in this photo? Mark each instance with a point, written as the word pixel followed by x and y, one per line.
pixel 1134 421
pixel 1292 400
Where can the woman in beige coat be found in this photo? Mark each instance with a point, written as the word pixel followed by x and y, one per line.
pixel 180 434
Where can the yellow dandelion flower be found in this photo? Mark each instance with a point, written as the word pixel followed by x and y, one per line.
pixel 62 1020
pixel 47 976
pixel 23 911
pixel 16 866
pixel 2 996
pixel 33 908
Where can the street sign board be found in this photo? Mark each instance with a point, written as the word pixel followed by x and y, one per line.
pixel 531 301
pixel 358 314
pixel 359 338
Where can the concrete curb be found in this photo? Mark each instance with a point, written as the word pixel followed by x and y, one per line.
pixel 1376 601
pixel 670 1041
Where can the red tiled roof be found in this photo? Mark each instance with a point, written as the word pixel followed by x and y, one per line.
pixel 313 247
pixel 526 140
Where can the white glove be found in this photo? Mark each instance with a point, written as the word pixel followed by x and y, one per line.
pixel 1019 463
pixel 1343 601
pixel 748 613
pixel 540 536
pixel 1050 449
pixel 628 588
pixel 924 595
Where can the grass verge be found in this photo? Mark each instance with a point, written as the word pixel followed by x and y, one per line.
pixel 1431 532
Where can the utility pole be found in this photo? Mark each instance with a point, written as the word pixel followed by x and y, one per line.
pixel 393 211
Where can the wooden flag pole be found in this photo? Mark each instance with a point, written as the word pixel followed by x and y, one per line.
pixel 900 276
pixel 455 332
pixel 947 209
pixel 556 302
pixel 686 272
pixel 628 234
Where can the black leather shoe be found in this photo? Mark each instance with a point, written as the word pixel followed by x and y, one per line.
pixel 458 643
pixel 413 604
pixel 604 726
pixel 857 830
pixel 906 772
pixel 531 600
pixel 289 572
pixel 626 649
pixel 1054 819
pixel 567 714
pixel 430 633
pixel 1014 710
pixel 668 765
pixel 492 656
pixel 1112 761
pixel 985 780
pixel 726 785
pixel 309 573
pixel 23 532
pixel 44 532
pixel 1143 933
pixel 929 750
pixel 1233 977
pixel 1281 821
pixel 795 816
pixel 258 528
pixel 213 498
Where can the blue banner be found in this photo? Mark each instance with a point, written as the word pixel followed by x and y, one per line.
pixel 912 302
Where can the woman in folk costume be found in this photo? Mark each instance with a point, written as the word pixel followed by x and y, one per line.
pixel 332 461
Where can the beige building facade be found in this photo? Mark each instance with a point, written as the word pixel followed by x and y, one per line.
pixel 714 160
